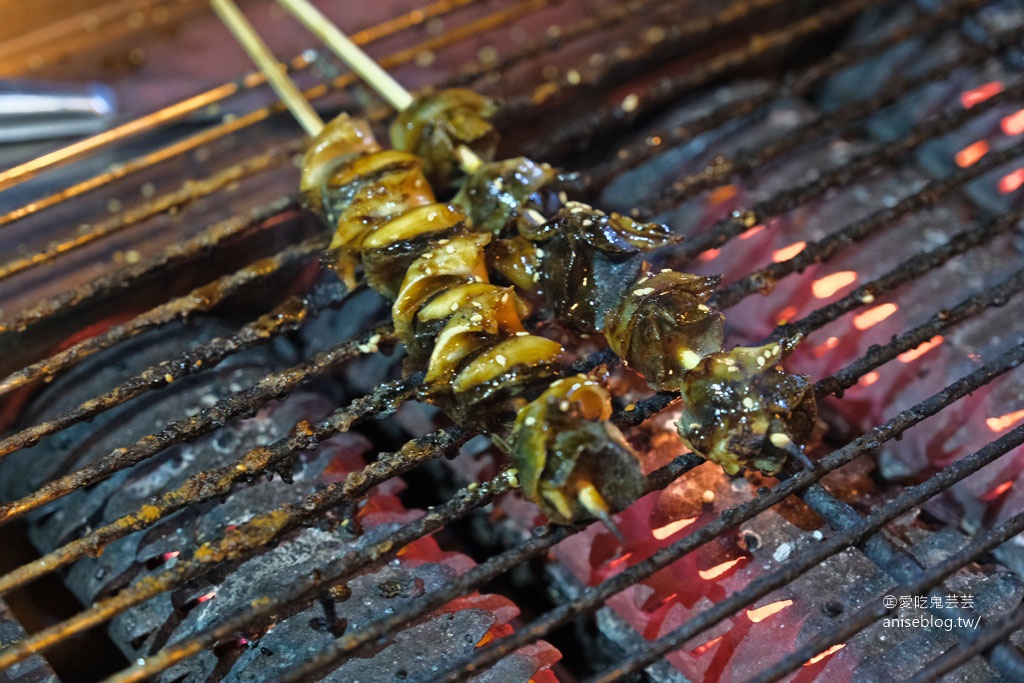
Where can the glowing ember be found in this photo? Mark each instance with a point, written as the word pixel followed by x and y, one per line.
pixel 873 316
pixel 826 346
pixel 1001 424
pixel 761 613
pixel 787 314
pixel 998 491
pixel 914 354
pixel 622 559
pixel 970 154
pixel 710 255
pixel 817 658
pixel 718 570
pixel 1013 124
pixel 786 253
pixel 672 527
pixel 753 231
pixel 1011 181
pixel 720 195
pixel 825 287
pixel 701 649
pixel 869 379
pixel 969 98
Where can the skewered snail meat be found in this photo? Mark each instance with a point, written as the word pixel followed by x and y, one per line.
pixel 741 408
pixel 510 219
pixel 482 367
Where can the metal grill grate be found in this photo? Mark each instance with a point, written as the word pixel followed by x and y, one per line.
pixel 602 86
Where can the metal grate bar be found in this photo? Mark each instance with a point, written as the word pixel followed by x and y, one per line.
pixel 199 300
pixel 611 16
pixel 798 84
pixel 899 564
pixel 846 629
pixel 212 483
pixel 458 506
pixel 209 484
pixel 272 386
pixel 286 317
pixel 667 89
pixel 120 280
pixel 681 465
pixel 907 271
pixel 472 579
pixel 949 660
pixel 796 567
pixel 593 597
pixel 162 117
pixel 220 130
pixel 35 316
pixel 824 249
pixel 188 193
pixel 741 221
pixel 253 535
pixel 823 124
pixel 993 297
pixel 333 573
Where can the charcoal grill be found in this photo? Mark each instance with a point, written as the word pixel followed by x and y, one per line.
pixel 855 170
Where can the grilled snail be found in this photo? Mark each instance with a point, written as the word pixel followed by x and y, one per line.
pixel 463 275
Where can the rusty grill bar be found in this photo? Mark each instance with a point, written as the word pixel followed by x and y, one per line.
pixel 849 528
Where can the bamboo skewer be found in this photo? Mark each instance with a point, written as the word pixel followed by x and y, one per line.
pixel 364 66
pixel 258 51
pixel 361 63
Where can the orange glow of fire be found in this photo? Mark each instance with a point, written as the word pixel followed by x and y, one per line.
pixel 824 287
pixel 619 560
pixel 998 491
pixel 718 570
pixel 869 379
pixel 701 649
pixel 1001 424
pixel 970 154
pixel 969 98
pixel 817 658
pixel 753 231
pixel 710 255
pixel 786 253
pixel 787 314
pixel 722 194
pixel 826 346
pixel 1013 124
pixel 914 354
pixel 1011 181
pixel 672 527
pixel 873 316
pixel 761 613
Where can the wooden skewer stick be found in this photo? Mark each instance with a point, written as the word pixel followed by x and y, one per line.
pixel 360 62
pixel 258 51
pixel 364 66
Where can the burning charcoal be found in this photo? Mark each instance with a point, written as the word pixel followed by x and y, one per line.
pixel 197 605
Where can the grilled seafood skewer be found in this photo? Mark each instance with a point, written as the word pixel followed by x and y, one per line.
pixel 483 368
pixel 741 408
